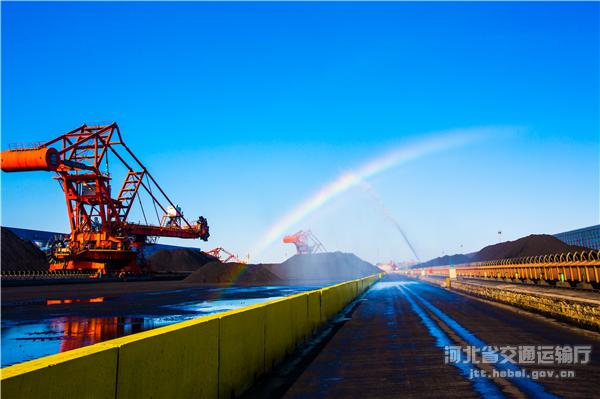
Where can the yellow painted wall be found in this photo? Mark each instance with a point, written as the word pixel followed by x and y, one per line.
pixel 241 350
pixel 299 312
pixel 218 356
pixel 89 372
pixel 313 300
pixel 331 302
pixel 176 361
pixel 279 333
pixel 349 294
pixel 326 305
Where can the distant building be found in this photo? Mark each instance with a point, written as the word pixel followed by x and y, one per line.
pixel 391 265
pixel 588 237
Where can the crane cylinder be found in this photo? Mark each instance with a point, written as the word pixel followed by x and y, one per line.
pixel 290 239
pixel 33 159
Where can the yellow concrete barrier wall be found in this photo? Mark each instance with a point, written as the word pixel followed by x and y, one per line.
pixel 89 372
pixel 176 361
pixel 330 302
pixel 335 298
pixel 344 290
pixel 241 350
pixel 344 294
pixel 313 300
pixel 218 356
pixel 349 292
pixel 299 312
pixel 279 333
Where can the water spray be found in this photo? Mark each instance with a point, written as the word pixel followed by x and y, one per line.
pixel 388 215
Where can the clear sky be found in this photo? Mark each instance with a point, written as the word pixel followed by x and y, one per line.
pixel 243 111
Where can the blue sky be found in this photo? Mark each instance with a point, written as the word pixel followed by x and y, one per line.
pixel 243 110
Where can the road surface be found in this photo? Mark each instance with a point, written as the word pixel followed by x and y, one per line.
pixel 399 335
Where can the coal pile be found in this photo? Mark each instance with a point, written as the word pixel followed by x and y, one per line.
pixel 20 255
pixel 330 266
pixel 532 245
pixel 232 273
pixel 179 260
pixel 447 260
pixel 299 269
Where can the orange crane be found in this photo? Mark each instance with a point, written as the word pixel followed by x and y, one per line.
pixel 305 241
pixel 231 257
pixel 102 236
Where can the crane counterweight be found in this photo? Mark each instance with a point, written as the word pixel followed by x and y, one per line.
pixel 30 159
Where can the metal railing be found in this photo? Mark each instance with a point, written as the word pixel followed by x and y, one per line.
pixel 25 146
pixel 43 275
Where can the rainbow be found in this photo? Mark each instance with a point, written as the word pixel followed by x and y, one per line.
pixel 424 146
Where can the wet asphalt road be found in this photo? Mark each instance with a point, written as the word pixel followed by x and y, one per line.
pixel 394 347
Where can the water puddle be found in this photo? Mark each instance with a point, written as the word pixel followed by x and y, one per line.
pixel 28 340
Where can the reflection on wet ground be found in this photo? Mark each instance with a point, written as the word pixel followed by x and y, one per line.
pixel 77 300
pixel 29 339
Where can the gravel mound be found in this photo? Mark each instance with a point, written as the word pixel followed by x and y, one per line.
pixel 19 254
pixel 179 260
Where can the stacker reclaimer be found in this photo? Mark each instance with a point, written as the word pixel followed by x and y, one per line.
pixel 305 241
pixel 102 236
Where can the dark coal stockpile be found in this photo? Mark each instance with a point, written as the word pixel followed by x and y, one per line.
pixel 179 260
pixel 299 269
pixel 227 273
pixel 532 245
pixel 447 260
pixel 331 266
pixel 19 255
